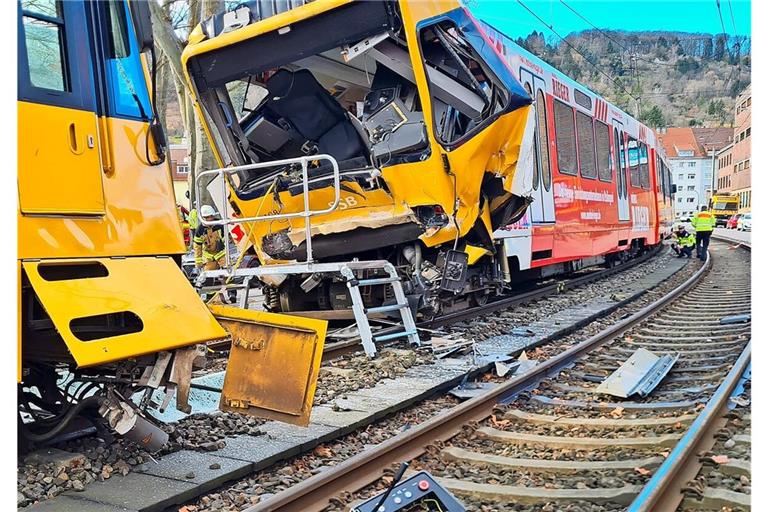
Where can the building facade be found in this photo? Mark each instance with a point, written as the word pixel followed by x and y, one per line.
pixel 742 151
pixel 692 153
pixel 179 160
pixel 725 169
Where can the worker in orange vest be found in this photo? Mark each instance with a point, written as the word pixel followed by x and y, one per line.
pixel 704 223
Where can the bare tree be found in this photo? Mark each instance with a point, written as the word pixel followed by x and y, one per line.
pixel 171 45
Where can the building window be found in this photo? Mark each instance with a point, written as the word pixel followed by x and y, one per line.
pixel 746 164
pixel 689 200
pixel 681 164
pixel 741 166
pixel 691 176
pixel 679 199
pixel 182 169
pixel 748 132
pixel 691 164
pixel 680 177
pixel 691 187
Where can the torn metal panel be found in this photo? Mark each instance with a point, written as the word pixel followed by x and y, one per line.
pixel 640 374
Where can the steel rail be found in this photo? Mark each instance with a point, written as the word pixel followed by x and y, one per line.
pixel 662 491
pixel 314 494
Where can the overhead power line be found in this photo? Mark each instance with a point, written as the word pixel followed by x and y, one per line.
pixel 614 80
pixel 609 37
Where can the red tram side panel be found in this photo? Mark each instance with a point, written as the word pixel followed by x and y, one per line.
pixel 600 180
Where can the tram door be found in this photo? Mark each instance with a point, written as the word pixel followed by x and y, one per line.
pixel 620 167
pixel 542 209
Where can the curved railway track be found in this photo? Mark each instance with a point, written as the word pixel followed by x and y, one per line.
pixel 546 439
pixel 335 349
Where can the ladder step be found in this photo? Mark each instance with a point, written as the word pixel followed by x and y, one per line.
pixel 384 309
pixel 392 336
pixel 378 280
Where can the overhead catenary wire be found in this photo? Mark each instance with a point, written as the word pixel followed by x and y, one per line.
pixel 609 37
pixel 614 80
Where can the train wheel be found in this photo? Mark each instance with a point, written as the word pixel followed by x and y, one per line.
pixel 479 298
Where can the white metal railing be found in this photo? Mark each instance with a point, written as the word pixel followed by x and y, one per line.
pixel 307 213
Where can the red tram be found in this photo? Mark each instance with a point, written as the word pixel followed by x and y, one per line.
pixel 601 180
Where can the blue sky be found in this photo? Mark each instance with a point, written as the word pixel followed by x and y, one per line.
pixel 685 16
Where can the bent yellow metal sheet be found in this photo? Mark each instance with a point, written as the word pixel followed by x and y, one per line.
pixel 273 364
pixel 152 288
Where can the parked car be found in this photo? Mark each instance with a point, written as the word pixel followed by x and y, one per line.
pixel 732 221
pixel 745 222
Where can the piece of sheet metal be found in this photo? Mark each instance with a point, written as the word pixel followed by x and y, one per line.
pixel 735 319
pixel 640 374
pixel 273 364
pixel 152 288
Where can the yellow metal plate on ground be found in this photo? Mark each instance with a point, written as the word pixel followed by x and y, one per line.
pixel 154 289
pixel 273 364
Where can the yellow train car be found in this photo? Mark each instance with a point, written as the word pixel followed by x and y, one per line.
pixel 431 132
pixel 106 317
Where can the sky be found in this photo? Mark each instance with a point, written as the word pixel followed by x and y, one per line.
pixel 682 15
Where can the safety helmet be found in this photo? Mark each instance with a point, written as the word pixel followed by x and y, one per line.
pixel 207 210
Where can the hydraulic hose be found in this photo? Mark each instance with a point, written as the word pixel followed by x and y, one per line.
pixel 91 401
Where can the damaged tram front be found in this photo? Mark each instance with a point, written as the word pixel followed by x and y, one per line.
pixel 414 134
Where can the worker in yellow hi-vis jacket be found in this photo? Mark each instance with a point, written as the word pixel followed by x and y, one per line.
pixel 209 242
pixel 704 223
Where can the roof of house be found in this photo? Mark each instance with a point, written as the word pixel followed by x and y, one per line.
pixel 698 140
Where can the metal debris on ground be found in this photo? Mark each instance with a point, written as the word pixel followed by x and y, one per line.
pixel 735 319
pixel 445 345
pixel 522 331
pixel 468 390
pixel 524 364
pixel 640 374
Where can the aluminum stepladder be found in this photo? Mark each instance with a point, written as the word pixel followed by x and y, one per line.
pixel 361 312
pixel 346 269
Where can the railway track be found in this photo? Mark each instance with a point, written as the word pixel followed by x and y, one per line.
pixel 335 349
pixel 546 439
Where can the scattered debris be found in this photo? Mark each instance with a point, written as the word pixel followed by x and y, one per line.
pixel 472 389
pixel 443 346
pixel 522 331
pixel 640 374
pixel 524 364
pixel 740 401
pixel 736 319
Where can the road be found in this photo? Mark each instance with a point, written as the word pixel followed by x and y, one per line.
pixel 741 236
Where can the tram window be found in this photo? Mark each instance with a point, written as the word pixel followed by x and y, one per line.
pixel 565 135
pixel 44 39
pixel 118 31
pixel 634 162
pixel 644 175
pixel 128 89
pixel 624 164
pixel 618 153
pixel 586 134
pixel 537 135
pixel 603 150
pixel 541 119
pixel 446 49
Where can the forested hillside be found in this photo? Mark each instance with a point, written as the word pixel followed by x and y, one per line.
pixel 670 78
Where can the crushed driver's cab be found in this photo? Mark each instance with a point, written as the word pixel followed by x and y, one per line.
pixel 430 130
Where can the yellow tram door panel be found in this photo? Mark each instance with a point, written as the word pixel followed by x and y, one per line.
pixel 149 295
pixel 59 153
pixel 273 364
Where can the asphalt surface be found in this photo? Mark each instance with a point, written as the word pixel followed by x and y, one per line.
pixel 742 236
